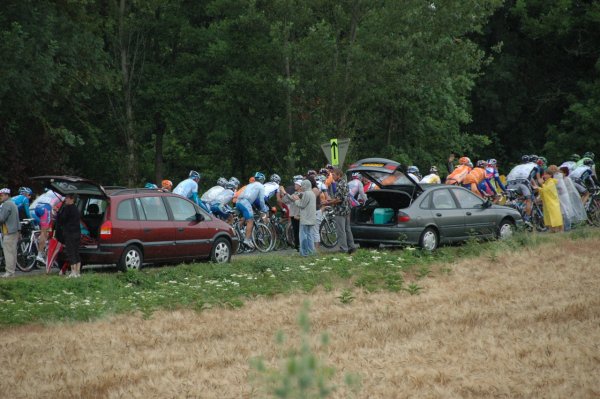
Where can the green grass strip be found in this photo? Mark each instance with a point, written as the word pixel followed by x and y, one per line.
pixel 48 299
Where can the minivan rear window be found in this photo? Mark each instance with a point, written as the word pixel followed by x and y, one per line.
pixel 125 210
pixel 154 208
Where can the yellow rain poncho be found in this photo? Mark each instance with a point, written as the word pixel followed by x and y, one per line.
pixel 551 203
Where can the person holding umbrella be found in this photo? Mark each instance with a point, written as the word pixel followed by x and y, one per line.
pixel 68 232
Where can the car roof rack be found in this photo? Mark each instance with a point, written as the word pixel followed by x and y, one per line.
pixel 124 190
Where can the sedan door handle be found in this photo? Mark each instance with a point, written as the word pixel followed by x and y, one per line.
pixel 147 230
pixel 468 213
pixel 438 214
pixel 180 229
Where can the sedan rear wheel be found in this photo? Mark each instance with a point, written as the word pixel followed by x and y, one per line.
pixel 221 251
pixel 429 239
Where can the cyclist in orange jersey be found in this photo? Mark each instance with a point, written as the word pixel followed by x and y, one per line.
pixel 477 180
pixel 458 174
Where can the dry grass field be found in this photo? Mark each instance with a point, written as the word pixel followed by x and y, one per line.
pixel 492 328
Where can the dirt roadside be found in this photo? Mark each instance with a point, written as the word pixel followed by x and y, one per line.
pixel 520 326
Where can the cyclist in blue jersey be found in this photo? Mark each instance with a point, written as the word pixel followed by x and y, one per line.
pixel 189 189
pixel 492 173
pixel 22 203
pixel 253 195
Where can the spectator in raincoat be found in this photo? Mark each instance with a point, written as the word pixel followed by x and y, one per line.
pixel 549 194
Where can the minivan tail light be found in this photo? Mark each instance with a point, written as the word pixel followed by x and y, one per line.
pixel 106 230
pixel 403 217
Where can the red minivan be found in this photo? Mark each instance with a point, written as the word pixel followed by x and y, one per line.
pixel 132 226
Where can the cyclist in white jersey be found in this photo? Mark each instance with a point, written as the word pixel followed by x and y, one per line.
pixel 433 177
pixel 356 189
pixel 213 192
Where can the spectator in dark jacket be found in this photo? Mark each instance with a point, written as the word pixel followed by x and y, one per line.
pixel 68 232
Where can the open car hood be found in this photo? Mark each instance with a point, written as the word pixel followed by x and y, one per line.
pixel 386 173
pixel 71 184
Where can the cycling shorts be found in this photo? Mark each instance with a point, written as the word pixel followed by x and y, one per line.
pixel 520 188
pixel 244 206
pixel 44 212
pixel 220 211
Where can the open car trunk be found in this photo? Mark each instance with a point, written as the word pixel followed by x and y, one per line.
pixel 381 207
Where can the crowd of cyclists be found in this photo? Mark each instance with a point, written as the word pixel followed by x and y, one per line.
pixel 529 186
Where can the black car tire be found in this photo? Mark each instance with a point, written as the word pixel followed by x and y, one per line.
pixel 429 239
pixel 131 259
pixel 506 228
pixel 221 251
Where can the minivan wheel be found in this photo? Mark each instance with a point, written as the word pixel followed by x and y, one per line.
pixel 131 259
pixel 221 251
pixel 429 239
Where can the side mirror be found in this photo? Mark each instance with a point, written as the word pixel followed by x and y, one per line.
pixel 199 217
pixel 486 204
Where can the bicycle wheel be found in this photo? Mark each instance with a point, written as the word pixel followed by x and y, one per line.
pixel 26 255
pixel 593 212
pixel 537 218
pixel 289 234
pixel 262 237
pixel 328 233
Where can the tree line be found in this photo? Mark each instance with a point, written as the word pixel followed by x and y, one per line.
pixel 129 91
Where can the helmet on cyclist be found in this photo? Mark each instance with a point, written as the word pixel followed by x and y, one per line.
pixel 356 175
pixel 543 160
pixel 230 185
pixel 324 172
pixel 297 177
pixel 259 177
pixel 481 163
pixel 526 158
pixel 320 178
pixel 412 169
pixel 589 154
pixel 575 157
pixel 221 181
pixel 311 172
pixel 275 178
pixel 433 169
pixel 25 191
pixel 194 175
pixel 167 184
pixel 492 162
pixel 234 181
pixel 533 158
pixel 151 186
pixel 464 161
pixel 329 166
pixel 588 162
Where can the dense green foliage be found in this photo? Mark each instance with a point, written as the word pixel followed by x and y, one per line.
pixel 129 91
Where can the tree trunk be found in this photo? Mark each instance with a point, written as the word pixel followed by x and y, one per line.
pixel 158 148
pixel 126 73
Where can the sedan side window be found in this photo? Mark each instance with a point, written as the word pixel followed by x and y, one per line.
pixel 182 210
pixel 442 199
pixel 467 199
pixel 154 208
pixel 425 203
